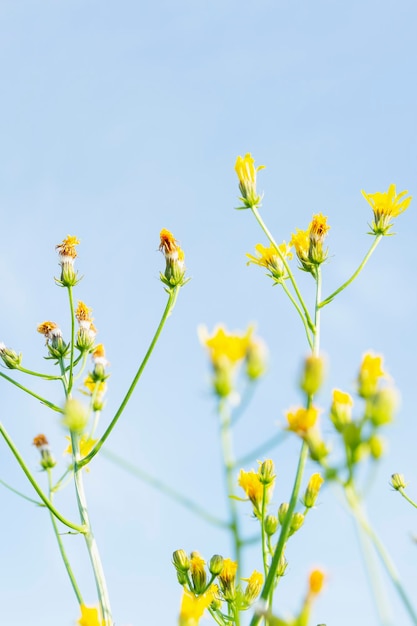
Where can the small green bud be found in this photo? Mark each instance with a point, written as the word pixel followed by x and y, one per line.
pixel 181 561
pixel 376 446
pixel 282 512
pixel 383 406
pixel 313 375
pixel 398 481
pixel 266 472
pixel 271 524
pixel 296 522
pixel 10 358
pixel 182 577
pixel 216 564
pixel 256 359
pixel 282 566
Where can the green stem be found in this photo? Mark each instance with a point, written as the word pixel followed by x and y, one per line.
pixel 38 374
pixel 168 309
pixel 355 274
pixel 71 365
pixel 361 519
pixel 43 497
pixel 259 450
pixel 316 347
pixel 285 263
pixel 229 469
pixel 404 495
pixel 61 546
pixel 32 393
pixel 19 493
pixel 300 313
pixel 263 533
pixel 90 541
pixel 284 534
pixel 165 489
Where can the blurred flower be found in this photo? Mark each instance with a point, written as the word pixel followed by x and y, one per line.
pixel 370 373
pixel 193 607
pixel 301 419
pixel 89 617
pixel 386 205
pixel 41 443
pixel 86 444
pixel 308 243
pixel 246 173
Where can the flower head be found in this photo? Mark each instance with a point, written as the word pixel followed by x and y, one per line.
pixel 56 345
pixel 67 255
pixel 10 358
pixel 87 331
pixel 246 173
pixel 227 580
pixel 253 588
pixel 341 409
pixel 193 607
pixel 272 259
pixel 174 258
pixel 90 617
pixel 301 420
pixel 41 443
pixel 308 243
pixel 370 373
pixel 316 581
pixel 385 206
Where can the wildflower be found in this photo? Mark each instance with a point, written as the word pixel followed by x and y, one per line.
pixel 301 419
pixel 85 444
pixel 198 571
pixel 56 346
pixel 308 243
pixel 369 374
pixel 385 206
pixel 90 617
pixel 96 389
pixel 272 259
pixel 313 374
pixel 225 350
pixel 41 443
pixel 297 521
pixel 246 173
pixel 10 358
pixel 398 481
pixel 256 358
pixel 193 607
pixel 253 588
pixel 316 582
pixel 227 580
pixel 67 255
pixel 341 409
pixel 98 357
pixel 253 487
pixel 377 446
pixel 87 331
pixel 383 406
pixel 174 259
pixel 312 490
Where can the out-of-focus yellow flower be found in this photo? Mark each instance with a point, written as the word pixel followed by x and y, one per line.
pixel 254 586
pixel 47 460
pixel 90 617
pixel 341 409
pixel 269 258
pixel 67 247
pixel 300 419
pixel 86 444
pixel 385 206
pixel 370 373
pixel 174 259
pixel 252 486
pixel 10 358
pixel 193 607
pixel 316 581
pixel 246 173
pixel 256 358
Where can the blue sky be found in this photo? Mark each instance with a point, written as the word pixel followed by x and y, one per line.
pixel 122 119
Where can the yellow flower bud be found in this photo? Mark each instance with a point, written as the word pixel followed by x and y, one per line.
pixel 181 561
pixel 313 375
pixel 398 481
pixel 312 490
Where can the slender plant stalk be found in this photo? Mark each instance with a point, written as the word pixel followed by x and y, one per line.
pixel 32 393
pixel 165 489
pixel 173 293
pixel 61 547
pixel 404 495
pixel 19 493
pixel 72 341
pixel 29 476
pixel 355 274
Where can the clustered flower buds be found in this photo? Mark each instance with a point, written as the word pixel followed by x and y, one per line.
pixel 10 358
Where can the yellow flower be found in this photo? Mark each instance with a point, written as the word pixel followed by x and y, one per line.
pixel 312 490
pixel 90 617
pixel 341 409
pixel 316 581
pixel 49 329
pixel 67 247
pixel 300 420
pixel 252 486
pixel 385 206
pixel 369 374
pixel 318 228
pixel 227 579
pixel 246 173
pixel 254 587
pixel 198 571
pixel 174 259
pixel 83 314
pixel 86 444
pixel 224 345
pixel 308 243
pixel 272 260
pixel 193 607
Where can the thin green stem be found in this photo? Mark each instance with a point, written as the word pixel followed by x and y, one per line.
pixel 164 488
pixel 19 493
pixel 263 533
pixel 355 274
pixel 71 365
pixel 32 393
pixel 404 495
pixel 38 374
pixel 61 546
pixel 362 520
pixel 285 263
pixel 229 469
pixel 316 347
pixel 90 541
pixel 300 313
pixel 284 534
pixel 263 447
pixel 43 497
pixel 173 293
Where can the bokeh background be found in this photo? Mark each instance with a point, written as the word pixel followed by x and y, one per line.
pixel 121 118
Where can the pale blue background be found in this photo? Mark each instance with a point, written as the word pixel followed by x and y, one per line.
pixel 120 118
